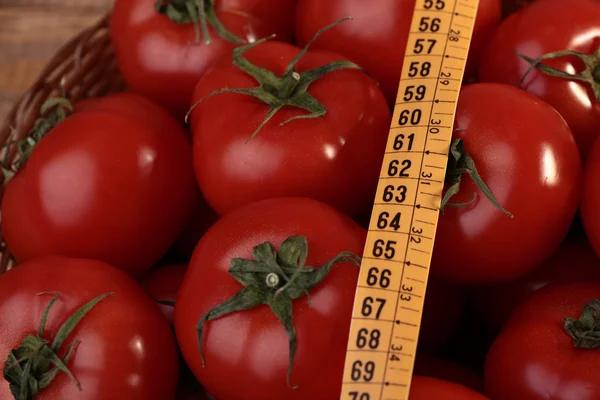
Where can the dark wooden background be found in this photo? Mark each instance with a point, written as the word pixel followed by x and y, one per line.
pixel 30 33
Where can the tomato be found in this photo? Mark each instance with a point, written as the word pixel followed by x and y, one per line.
pixel 590 216
pixel 123 346
pixel 163 60
pixel 163 283
pixel 574 261
pixel 252 345
pixel 103 184
pixel 535 357
pixel 335 158
pixel 435 367
pixel 376 38
pixel 426 388
pixel 444 305
pixel 524 152
pixel 544 27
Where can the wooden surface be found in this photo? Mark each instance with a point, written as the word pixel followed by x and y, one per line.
pixel 30 33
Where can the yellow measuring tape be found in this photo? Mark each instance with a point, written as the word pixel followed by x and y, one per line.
pixel 389 299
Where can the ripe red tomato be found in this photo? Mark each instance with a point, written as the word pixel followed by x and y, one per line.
pixel 163 283
pixel 574 261
pixel 124 346
pixel 444 305
pixel 376 38
pixel 544 27
pixel 534 358
pixel 590 214
pixel 524 152
pixel 427 388
pixel 429 365
pixel 252 345
pixel 335 158
pixel 104 184
pixel 164 60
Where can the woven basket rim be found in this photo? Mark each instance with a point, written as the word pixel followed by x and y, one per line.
pixel 84 66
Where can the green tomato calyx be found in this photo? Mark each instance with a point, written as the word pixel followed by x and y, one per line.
pixel 274 278
pixel 34 364
pixel 589 75
pixel 201 13
pixel 52 113
pixel 459 163
pixel 287 90
pixel 585 331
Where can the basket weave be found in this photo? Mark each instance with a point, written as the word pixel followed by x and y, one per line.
pixel 84 67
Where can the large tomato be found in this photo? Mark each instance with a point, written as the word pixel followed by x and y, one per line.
pixel 163 57
pixel 335 158
pixel 121 348
pixel 544 27
pixel 376 37
pixel 253 345
pixel 110 183
pixel 590 214
pixel 427 388
pixel 574 261
pixel 544 351
pixel 524 152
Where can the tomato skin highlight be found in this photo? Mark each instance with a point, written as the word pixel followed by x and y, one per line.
pixel 126 348
pixel 159 59
pixel 102 185
pixel 527 360
pixel 543 27
pixel 252 345
pixel 524 152
pixel 427 388
pixel 376 37
pixel 335 159
pixel 574 261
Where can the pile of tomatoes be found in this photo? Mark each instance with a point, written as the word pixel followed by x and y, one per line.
pixel 200 235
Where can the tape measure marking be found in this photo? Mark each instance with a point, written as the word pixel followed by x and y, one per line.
pixel 395 269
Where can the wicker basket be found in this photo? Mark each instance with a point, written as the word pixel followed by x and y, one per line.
pixel 84 67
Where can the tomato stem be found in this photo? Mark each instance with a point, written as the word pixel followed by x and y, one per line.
pixel 287 90
pixel 52 112
pixel 42 363
pixel 262 279
pixel 459 163
pixel 589 75
pixel 201 13
pixel 585 331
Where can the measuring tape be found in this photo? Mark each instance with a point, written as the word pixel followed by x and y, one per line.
pixel 393 277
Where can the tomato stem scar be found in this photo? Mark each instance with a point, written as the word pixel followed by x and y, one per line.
pixel 261 278
pixel 287 90
pixel 590 74
pixel 201 13
pixel 42 363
